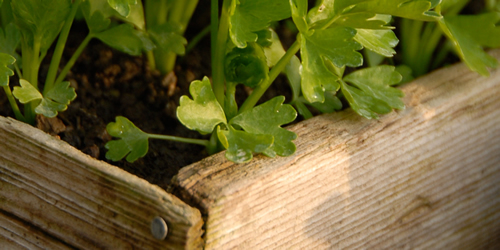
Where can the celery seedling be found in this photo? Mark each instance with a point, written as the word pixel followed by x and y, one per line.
pixel 246 51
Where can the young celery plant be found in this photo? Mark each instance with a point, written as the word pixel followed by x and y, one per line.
pixel 167 21
pixel 330 36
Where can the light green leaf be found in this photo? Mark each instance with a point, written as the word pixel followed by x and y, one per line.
pixel 62 93
pixel 299 15
pixel 247 66
pixel 469 34
pixel 5 71
pixel 122 6
pixel 267 119
pixel 412 9
pixel 167 37
pixel 133 142
pixel 379 41
pixel 373 93
pixel 49 108
pixel 241 145
pixel 203 112
pixel 26 92
pixel 335 46
pixel 40 20
pixel 123 38
pixel 56 100
pixel 96 20
pixel 250 16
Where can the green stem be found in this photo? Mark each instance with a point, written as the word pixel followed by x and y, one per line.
pixel 189 8
pixel 257 93
pixel 180 139
pixel 411 30
pixel 214 27
pixel 59 49
pixel 220 51
pixel 197 39
pixel 156 12
pixel 427 50
pixel 72 60
pixel 151 60
pixel 13 104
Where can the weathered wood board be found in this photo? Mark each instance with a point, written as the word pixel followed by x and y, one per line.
pixel 54 197
pixel 427 177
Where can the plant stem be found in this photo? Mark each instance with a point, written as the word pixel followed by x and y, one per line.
pixel 189 8
pixel 59 49
pixel 257 93
pixel 73 58
pixel 197 38
pixel 214 27
pixel 410 37
pixel 427 49
pixel 180 139
pixel 220 51
pixel 13 104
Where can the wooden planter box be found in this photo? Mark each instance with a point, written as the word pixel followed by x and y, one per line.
pixel 425 177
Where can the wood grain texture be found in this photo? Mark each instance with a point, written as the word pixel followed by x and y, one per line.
pixel 56 193
pixel 427 177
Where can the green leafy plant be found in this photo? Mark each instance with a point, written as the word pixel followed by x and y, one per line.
pixel 331 35
pixel 32 26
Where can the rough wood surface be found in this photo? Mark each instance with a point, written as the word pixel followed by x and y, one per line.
pixel 53 196
pixel 427 177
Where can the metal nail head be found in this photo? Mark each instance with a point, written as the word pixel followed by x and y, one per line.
pixel 159 228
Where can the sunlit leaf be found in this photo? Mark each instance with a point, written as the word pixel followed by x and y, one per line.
pixel 133 142
pixel 371 92
pixel 250 16
pixel 469 34
pixel 267 119
pixel 203 112
pixel 242 145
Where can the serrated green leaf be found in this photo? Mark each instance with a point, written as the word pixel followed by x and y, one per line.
pixel 250 16
pixel 484 29
pixel 167 37
pixel 242 145
pixel 40 20
pixel 373 93
pixel 9 40
pixel 123 38
pixel 469 34
pixel 379 41
pixel 247 66
pixel 331 103
pixel 123 7
pixel 267 119
pixel 62 93
pixel 275 51
pixel 5 71
pixel 299 15
pixel 49 108
pixel 203 112
pixel 336 46
pixel 26 92
pixel 96 20
pixel 412 9
pixel 56 100
pixel 133 142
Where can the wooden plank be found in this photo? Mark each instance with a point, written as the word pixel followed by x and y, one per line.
pixel 17 234
pixel 82 202
pixel 426 177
